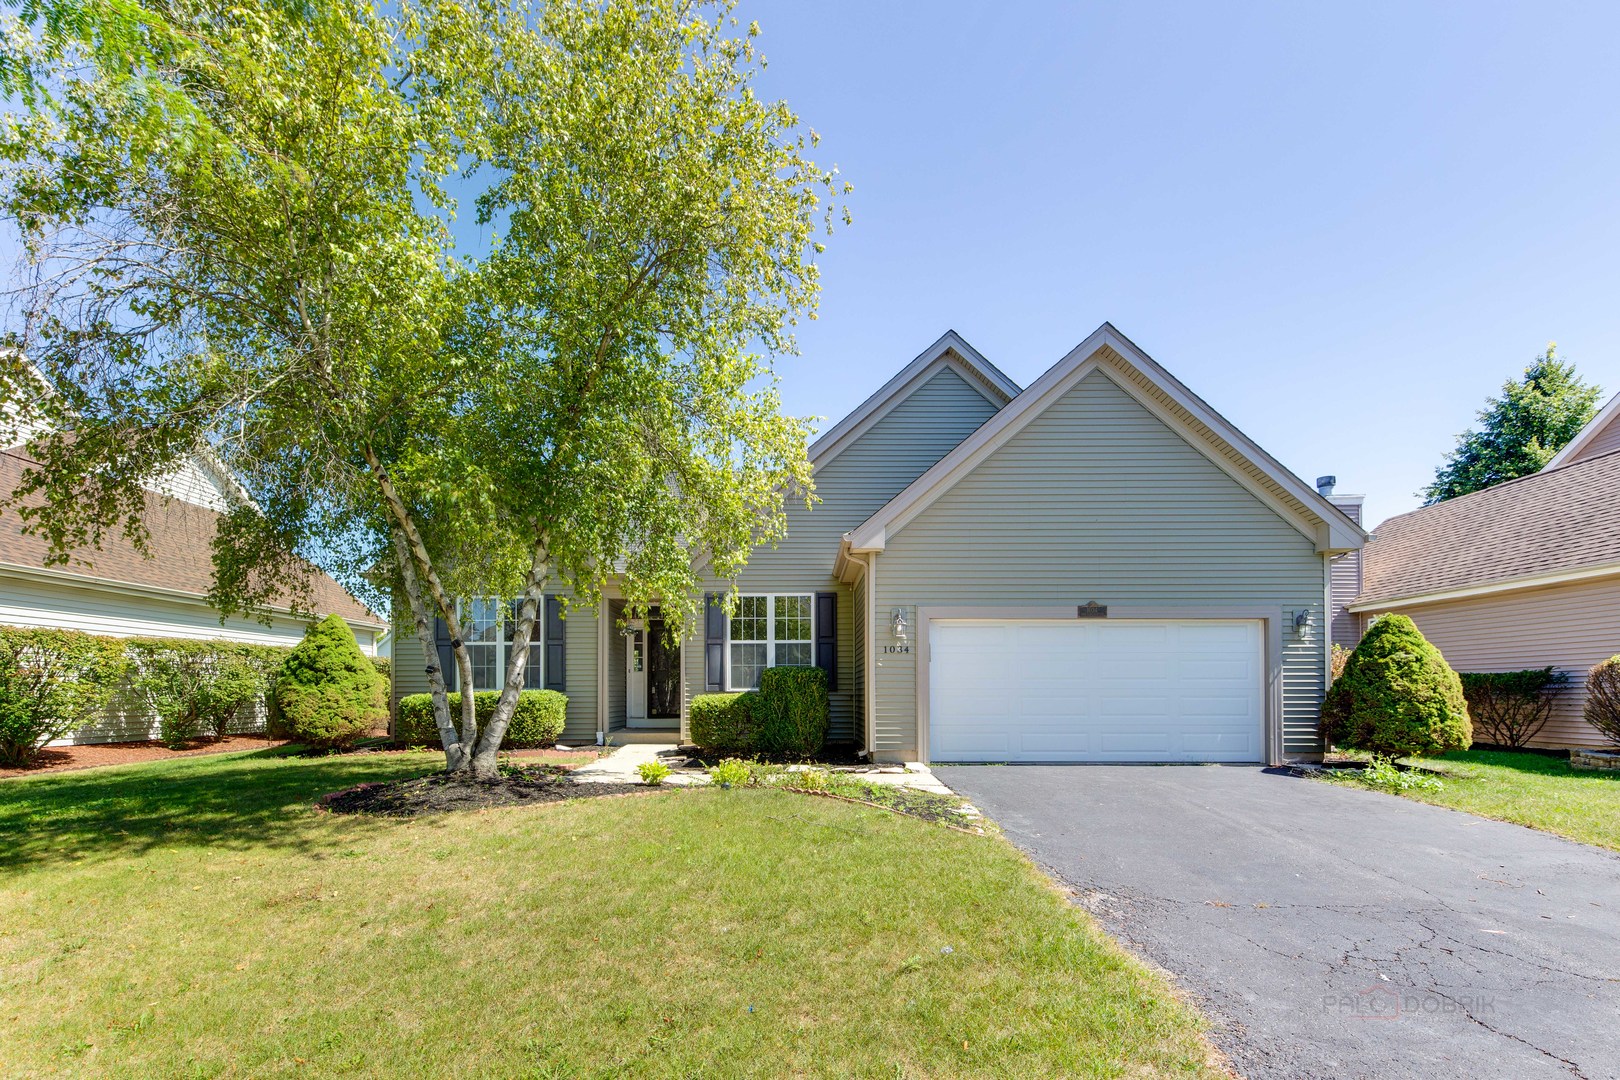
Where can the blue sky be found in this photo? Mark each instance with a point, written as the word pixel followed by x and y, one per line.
pixel 1343 226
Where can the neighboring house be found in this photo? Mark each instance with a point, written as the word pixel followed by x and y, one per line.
pixel 117 591
pixel 1096 568
pixel 1523 574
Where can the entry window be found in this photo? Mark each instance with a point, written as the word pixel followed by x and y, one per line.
pixel 488 624
pixel 770 631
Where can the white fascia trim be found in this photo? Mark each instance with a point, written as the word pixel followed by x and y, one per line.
pixel 949 351
pixel 1331 530
pixel 90 581
pixel 1583 437
pixel 1529 581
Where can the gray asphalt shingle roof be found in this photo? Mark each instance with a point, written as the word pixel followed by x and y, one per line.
pixel 1564 519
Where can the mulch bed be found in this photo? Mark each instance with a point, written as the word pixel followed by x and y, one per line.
pixel 517 785
pixel 64 758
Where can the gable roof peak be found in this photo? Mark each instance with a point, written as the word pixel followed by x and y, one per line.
pixel 951 350
pixel 1159 391
pixel 1572 450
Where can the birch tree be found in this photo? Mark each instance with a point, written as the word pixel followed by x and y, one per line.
pixel 238 232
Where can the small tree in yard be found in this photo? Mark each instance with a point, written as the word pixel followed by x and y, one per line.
pixel 1397 696
pixel 240 242
pixel 52 682
pixel 1603 698
pixel 328 692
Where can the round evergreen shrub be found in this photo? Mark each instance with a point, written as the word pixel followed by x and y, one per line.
pixel 328 692
pixel 1602 708
pixel 723 724
pixel 1397 696
pixel 792 711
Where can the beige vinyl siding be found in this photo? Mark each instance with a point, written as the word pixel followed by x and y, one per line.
pixel 894 451
pixel 410 676
pixel 1569 626
pixel 1607 441
pixel 1097 499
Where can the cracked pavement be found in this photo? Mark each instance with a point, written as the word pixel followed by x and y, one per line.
pixel 1329 931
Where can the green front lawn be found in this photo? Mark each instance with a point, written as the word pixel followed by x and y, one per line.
pixel 198 918
pixel 1529 789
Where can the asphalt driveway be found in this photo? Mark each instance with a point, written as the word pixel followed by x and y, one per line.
pixel 1334 932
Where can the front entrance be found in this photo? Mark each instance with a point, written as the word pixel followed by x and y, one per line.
pixel 652 675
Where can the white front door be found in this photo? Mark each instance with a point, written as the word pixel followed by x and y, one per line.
pixel 1094 690
pixel 635 677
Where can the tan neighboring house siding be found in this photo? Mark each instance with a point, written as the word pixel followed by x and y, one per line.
pixel 880 463
pixel 1097 499
pixel 1604 442
pixel 1570 626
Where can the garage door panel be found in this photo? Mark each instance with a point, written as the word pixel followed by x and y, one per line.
pixel 1156 690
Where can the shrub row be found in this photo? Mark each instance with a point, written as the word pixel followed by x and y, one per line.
pixel 786 717
pixel 324 691
pixel 537 720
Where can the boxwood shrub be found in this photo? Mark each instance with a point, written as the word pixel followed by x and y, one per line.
pixel 537 721
pixel 791 713
pixel 723 724
pixel 1397 696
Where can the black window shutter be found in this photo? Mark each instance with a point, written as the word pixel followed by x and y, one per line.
pixel 556 645
pixel 714 643
pixel 827 636
pixel 447 656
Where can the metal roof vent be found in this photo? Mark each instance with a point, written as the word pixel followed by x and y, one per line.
pixel 1324 485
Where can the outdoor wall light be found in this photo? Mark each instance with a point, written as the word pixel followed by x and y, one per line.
pixel 897 624
pixel 1302 622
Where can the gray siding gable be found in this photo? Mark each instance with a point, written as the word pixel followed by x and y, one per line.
pixel 901 445
pixel 1097 498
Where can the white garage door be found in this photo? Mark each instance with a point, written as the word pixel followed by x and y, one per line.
pixel 1138 690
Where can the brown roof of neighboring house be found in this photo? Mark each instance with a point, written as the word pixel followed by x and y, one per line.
pixel 181 539
pixel 1563 519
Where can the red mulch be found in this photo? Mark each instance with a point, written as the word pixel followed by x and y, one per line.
pixel 63 758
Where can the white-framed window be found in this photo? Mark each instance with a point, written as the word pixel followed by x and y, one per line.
pixel 486 626
pixel 772 630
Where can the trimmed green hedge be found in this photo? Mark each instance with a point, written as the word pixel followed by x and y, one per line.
pixel 51 682
pixel 1397 696
pixel 537 721
pixel 723 723
pixel 792 712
